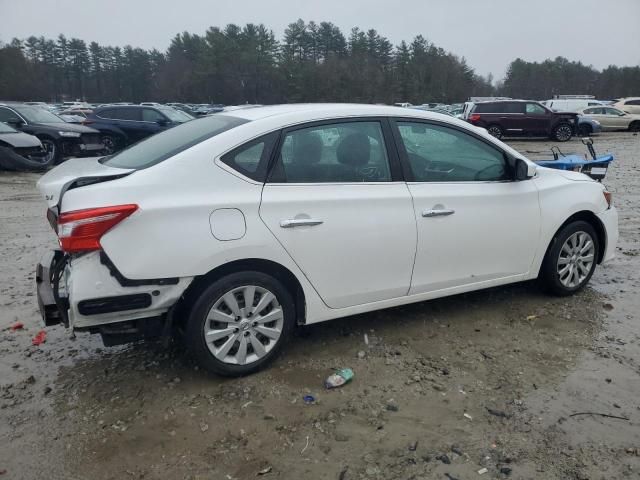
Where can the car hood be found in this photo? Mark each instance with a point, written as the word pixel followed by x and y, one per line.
pixel 78 171
pixel 20 140
pixel 69 127
pixel 568 174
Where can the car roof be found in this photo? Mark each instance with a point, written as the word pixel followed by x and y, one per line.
pixel 328 110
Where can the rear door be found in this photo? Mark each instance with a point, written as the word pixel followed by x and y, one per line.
pixel 512 114
pixel 336 202
pixel 474 223
pixel 536 119
pixel 616 119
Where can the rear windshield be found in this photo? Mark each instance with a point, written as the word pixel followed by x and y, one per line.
pixel 170 142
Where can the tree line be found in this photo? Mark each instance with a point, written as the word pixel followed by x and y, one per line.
pixel 313 62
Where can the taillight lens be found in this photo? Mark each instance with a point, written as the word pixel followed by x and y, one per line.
pixel 474 117
pixel 81 230
pixel 607 197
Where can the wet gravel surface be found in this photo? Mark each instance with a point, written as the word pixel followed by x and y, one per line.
pixel 444 389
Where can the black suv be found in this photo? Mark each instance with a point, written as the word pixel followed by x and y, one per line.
pixel 122 125
pixel 509 118
pixel 59 138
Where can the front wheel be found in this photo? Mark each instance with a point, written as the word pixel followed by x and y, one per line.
pixel 571 259
pixel 563 132
pixel 52 151
pixel 239 323
pixel 111 144
pixel 634 126
pixel 585 130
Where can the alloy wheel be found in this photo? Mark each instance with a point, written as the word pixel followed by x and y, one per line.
pixel 243 325
pixel 563 133
pixel 50 151
pixel 576 259
pixel 109 144
pixel 495 131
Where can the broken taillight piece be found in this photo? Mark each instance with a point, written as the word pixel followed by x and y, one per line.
pixel 81 230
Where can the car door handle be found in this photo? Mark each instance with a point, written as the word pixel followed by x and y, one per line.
pixel 300 222
pixel 438 213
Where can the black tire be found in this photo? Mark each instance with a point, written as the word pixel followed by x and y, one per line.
pixel 550 276
pixel 215 293
pixel 634 126
pixel 53 149
pixel 585 130
pixel 112 143
pixel 495 131
pixel 562 132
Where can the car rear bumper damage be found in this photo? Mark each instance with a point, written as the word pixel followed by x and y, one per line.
pixel 85 293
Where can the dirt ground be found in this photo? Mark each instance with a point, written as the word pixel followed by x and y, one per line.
pixel 443 389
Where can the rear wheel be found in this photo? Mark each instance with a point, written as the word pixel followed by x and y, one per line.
pixel 495 130
pixel 563 132
pixel 239 323
pixel 571 259
pixel 634 126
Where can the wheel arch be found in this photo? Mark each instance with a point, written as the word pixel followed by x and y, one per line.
pixel 268 267
pixel 592 219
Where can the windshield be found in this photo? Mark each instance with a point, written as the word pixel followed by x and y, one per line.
pixel 37 114
pixel 4 128
pixel 166 144
pixel 176 115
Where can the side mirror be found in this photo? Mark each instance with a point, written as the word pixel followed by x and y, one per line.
pixel 524 170
pixel 15 122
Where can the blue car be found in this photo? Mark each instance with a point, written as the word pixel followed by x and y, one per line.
pixel 588 126
pixel 122 125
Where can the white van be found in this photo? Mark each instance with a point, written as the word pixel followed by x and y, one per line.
pixel 570 104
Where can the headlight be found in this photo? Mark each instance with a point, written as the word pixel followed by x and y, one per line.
pixel 69 134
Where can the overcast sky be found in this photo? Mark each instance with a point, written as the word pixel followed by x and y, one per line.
pixel 488 33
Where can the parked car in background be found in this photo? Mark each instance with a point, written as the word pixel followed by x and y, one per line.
pixel 20 151
pixel 629 105
pixel 570 104
pixel 59 138
pixel 508 118
pixel 295 214
pixel 588 126
pixel 122 125
pixel 613 119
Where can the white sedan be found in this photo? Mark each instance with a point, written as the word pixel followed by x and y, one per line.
pixel 233 229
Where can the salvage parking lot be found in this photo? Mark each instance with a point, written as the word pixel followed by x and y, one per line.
pixel 511 380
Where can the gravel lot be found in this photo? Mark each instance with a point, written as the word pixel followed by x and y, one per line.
pixel 443 389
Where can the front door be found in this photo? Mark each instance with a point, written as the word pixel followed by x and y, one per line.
pixel 474 223
pixel 336 204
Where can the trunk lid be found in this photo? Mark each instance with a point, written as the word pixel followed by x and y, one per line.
pixel 74 173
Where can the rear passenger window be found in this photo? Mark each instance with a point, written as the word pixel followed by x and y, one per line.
pixel 443 154
pixel 632 102
pixel 337 153
pixel 251 159
pixel 535 109
pixel 151 115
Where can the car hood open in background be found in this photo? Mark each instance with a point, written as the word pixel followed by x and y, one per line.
pixel 87 170
pixel 20 140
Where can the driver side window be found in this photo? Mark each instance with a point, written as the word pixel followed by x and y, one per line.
pixel 442 154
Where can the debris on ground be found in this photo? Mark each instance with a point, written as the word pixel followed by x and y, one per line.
pixel 498 413
pixel 16 326
pixel 339 378
pixel 309 399
pixel 482 471
pixel 40 338
pixel 265 470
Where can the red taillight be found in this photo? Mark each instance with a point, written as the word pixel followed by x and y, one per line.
pixel 474 118
pixel 80 231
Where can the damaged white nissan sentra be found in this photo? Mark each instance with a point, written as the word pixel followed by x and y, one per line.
pixel 232 229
